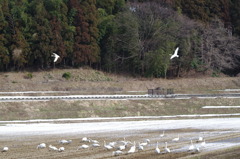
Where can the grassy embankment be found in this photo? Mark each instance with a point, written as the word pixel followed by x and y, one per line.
pixel 87 81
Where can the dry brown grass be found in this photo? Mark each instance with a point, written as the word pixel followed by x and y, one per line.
pixel 92 81
pixel 88 81
pixel 111 108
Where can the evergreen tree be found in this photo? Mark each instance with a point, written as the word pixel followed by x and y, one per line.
pixel 4 53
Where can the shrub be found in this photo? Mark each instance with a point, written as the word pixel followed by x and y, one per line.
pixel 66 75
pixel 28 76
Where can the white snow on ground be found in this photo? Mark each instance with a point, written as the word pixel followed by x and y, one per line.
pixel 207 97
pixel 98 127
pixel 221 107
pixel 209 147
pixel 230 90
pixel 118 118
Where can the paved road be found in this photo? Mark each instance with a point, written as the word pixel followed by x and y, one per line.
pixel 99 97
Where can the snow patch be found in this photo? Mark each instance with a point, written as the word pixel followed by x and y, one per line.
pixel 221 107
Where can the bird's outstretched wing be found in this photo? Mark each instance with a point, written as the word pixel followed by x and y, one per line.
pixel 176 51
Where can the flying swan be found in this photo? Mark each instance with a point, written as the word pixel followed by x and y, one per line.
pixel 175 53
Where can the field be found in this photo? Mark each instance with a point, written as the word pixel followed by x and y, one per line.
pixel 153 116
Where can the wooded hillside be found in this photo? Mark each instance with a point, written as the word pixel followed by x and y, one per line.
pixel 135 36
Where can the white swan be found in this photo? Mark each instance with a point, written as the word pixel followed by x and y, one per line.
pixel 140 147
pixel 191 147
pixel 108 147
pixel 61 149
pixel 85 139
pixel 5 149
pixel 56 56
pixel 112 144
pixel 95 145
pixel 41 146
pixel 200 139
pixel 147 140
pixel 94 141
pixel 121 147
pixel 176 139
pixel 52 148
pixel 203 144
pixel 162 135
pixel 157 150
pixel 196 150
pixel 65 141
pixel 133 148
pixel 145 143
pixel 175 53
pixel 124 142
pixel 167 150
pixel 116 153
pixel 83 147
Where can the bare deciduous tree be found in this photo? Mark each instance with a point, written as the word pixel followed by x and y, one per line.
pixel 221 51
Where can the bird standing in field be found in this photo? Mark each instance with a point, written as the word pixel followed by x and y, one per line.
pixel 166 149
pixel 41 146
pixel 52 148
pixel 61 149
pixel 175 53
pixel 85 139
pixel 116 153
pixel 133 148
pixel 65 141
pixel 203 144
pixel 56 57
pixel 176 139
pixel 191 147
pixel 162 135
pixel 5 149
pixel 200 139
pixel 140 147
pixel 157 150
pixel 83 147
pixel 108 147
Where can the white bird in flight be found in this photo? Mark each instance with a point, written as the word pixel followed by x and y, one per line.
pixel 175 53
pixel 56 56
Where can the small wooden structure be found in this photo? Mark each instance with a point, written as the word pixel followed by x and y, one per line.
pixel 160 91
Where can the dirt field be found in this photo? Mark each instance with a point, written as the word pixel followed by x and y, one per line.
pixel 25 146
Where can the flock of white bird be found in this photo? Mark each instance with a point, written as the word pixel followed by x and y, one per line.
pixel 122 147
